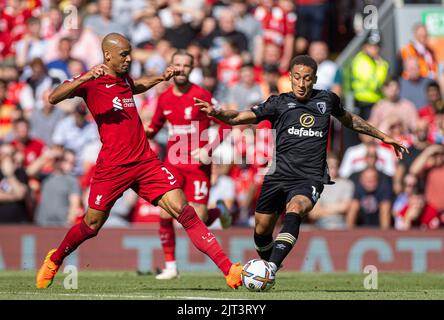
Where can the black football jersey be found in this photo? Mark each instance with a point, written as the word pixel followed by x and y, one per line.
pixel 301 129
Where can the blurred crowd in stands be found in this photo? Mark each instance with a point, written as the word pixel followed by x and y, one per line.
pixel 242 52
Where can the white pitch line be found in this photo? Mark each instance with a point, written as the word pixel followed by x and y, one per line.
pixel 119 296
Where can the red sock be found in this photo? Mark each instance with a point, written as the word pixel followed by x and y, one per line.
pixel 213 214
pixel 75 236
pixel 203 239
pixel 168 239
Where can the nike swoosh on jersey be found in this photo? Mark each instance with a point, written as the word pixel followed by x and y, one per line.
pixel 109 85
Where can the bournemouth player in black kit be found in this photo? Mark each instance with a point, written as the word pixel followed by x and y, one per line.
pixel 301 119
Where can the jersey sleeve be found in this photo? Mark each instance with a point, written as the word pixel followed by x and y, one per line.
pixel 337 109
pixel 81 90
pixel 267 110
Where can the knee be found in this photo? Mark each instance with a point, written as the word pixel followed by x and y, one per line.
pixel 299 206
pixel 95 222
pixel 262 228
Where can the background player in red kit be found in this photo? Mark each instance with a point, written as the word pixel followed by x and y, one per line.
pixel 126 160
pixel 188 152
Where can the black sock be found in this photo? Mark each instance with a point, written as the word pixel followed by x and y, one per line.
pixel 264 245
pixel 286 239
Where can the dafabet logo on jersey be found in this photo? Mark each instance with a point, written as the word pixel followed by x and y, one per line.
pixel 307 121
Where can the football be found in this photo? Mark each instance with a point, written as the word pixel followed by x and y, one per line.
pixel 257 275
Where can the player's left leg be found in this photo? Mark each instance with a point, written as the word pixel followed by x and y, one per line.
pixel 296 209
pixel 169 197
pixel 79 233
pixel 174 202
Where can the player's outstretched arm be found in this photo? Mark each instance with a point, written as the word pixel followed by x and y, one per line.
pixel 64 90
pixel 231 117
pixel 356 123
pixel 144 84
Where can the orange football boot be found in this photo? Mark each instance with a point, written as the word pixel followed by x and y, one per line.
pixel 47 272
pixel 233 278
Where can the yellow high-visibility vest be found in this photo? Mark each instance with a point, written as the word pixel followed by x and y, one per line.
pixel 368 77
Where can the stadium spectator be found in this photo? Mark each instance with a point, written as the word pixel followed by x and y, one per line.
pixel 419 143
pixel 195 50
pixel 60 67
pixel 435 104
pixel 140 28
pixel 60 203
pixel 420 50
pixel 410 209
pixel 230 64
pixel 31 96
pixel 329 212
pixel 369 72
pixel 372 201
pixel 329 76
pixel 74 133
pixel 413 85
pixel 224 32
pixel 393 106
pixel 13 187
pixel 429 166
pixel 222 189
pixel 270 80
pixel 182 32
pixel 279 29
pixel 30 147
pixel 312 16
pixel 43 121
pixel 8 111
pixel 218 89
pixel 354 159
pixel 252 28
pixel 124 10
pixel 246 92
pixel 371 160
pixel 103 22
pixel 32 45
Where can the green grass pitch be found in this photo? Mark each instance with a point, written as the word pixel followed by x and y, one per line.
pixel 113 285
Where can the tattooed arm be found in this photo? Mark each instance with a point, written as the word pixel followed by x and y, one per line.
pixel 356 123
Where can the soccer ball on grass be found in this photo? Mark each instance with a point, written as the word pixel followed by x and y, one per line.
pixel 257 275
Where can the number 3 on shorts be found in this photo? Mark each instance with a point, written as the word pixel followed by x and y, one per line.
pixel 170 176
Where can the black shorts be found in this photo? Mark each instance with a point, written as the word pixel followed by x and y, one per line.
pixel 275 194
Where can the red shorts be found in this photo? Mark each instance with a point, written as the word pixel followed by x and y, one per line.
pixel 149 179
pixel 194 181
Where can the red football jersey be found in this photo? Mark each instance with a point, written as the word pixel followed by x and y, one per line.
pixel 277 24
pixel 187 124
pixel 110 101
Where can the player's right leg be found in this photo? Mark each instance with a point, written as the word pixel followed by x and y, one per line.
pixel 263 233
pixel 86 229
pixel 175 203
pixel 108 185
pixel 270 203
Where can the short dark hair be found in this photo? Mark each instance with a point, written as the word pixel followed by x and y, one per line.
pixel 182 52
pixel 433 84
pixel 304 60
pixel 390 80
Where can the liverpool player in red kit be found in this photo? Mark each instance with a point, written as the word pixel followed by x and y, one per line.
pixel 188 152
pixel 126 160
